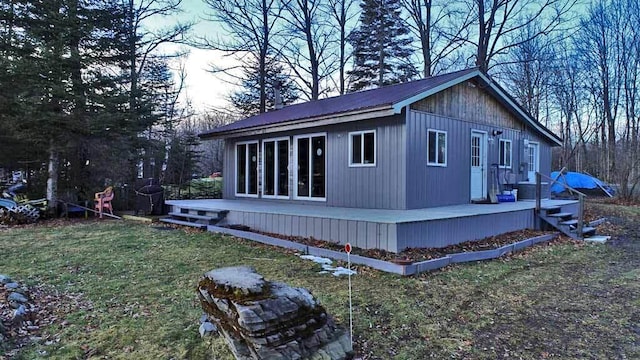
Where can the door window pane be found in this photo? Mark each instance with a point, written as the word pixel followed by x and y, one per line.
pixel 268 188
pixel 253 169
pixel 318 176
pixel 283 168
pixel 303 167
pixel 241 166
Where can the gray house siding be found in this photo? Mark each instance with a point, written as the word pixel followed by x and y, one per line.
pixel 458 111
pixel 379 187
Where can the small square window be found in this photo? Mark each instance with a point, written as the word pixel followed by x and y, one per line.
pixel 362 148
pixel 505 154
pixel 436 148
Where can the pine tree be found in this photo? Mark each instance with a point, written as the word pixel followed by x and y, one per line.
pixel 247 100
pixel 381 47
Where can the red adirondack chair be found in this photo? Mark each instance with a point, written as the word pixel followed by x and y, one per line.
pixel 103 201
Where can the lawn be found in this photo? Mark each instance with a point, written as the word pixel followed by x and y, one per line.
pixel 136 286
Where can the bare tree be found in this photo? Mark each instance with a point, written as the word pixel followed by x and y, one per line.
pixel 249 27
pixel 439 34
pixel 342 13
pixel 306 43
pixel 528 68
pixel 600 50
pixel 498 20
pixel 144 42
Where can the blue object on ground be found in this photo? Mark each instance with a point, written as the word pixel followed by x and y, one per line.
pixel 506 198
pixel 577 181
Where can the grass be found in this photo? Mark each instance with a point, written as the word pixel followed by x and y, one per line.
pixel 563 301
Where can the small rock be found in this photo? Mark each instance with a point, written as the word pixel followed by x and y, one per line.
pixel 17 297
pixel 207 328
pixel 11 285
pixel 204 318
pixel 4 279
pixel 19 314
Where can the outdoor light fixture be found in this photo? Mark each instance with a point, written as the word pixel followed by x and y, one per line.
pixel 496 132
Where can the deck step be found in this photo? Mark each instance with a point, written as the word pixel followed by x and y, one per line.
pixel 600 239
pixel 551 209
pixel 588 231
pixel 191 216
pixel 572 222
pixel 184 223
pixel 561 215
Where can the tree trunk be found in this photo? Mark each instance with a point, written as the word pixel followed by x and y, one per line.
pixel 52 180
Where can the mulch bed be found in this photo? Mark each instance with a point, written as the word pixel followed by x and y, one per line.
pixel 421 254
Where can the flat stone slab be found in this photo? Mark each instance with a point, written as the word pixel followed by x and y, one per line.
pixel 17 297
pixel 243 278
pixel 5 279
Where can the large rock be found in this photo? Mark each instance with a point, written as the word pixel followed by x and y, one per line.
pixel 269 320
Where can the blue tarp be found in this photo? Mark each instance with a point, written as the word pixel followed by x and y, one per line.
pixel 576 181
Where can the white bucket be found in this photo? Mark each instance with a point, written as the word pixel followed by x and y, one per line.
pixel 515 194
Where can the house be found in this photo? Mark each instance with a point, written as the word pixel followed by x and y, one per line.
pixel 394 167
pixel 421 144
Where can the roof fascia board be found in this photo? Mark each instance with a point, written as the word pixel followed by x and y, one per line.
pixel 519 110
pixel 397 107
pixel 304 124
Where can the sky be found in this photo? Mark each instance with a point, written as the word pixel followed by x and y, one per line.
pixel 204 89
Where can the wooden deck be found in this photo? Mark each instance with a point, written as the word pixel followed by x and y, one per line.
pixel 392 230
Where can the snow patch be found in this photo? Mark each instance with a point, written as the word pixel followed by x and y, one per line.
pixel 327 266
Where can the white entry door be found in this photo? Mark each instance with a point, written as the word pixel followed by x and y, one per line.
pixel 478 165
pixel 534 160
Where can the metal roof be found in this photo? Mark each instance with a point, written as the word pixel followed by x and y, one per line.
pixel 392 97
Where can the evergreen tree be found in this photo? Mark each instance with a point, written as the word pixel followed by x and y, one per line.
pixel 381 47
pixel 247 100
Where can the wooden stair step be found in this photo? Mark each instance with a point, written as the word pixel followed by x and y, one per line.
pixel 561 215
pixel 184 223
pixel 572 222
pixel 550 209
pixel 192 216
pixel 588 230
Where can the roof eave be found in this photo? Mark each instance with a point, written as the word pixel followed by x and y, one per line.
pixel 363 114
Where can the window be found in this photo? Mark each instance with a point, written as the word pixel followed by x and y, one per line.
pixel 275 168
pixel 247 169
pixel 310 173
pixel 362 148
pixel 437 147
pixel 505 154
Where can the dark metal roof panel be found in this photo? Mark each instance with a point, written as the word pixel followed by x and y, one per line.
pixel 387 95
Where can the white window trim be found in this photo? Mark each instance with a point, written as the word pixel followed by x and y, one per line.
pixel 295 167
pixel 262 176
pixel 501 160
pixel 246 184
pixel 446 148
pixel 375 148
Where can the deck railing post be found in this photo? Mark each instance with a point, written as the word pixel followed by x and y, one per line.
pixel 538 191
pixel 580 215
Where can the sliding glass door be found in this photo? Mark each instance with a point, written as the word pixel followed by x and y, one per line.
pixel 275 165
pixel 247 169
pixel 310 160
